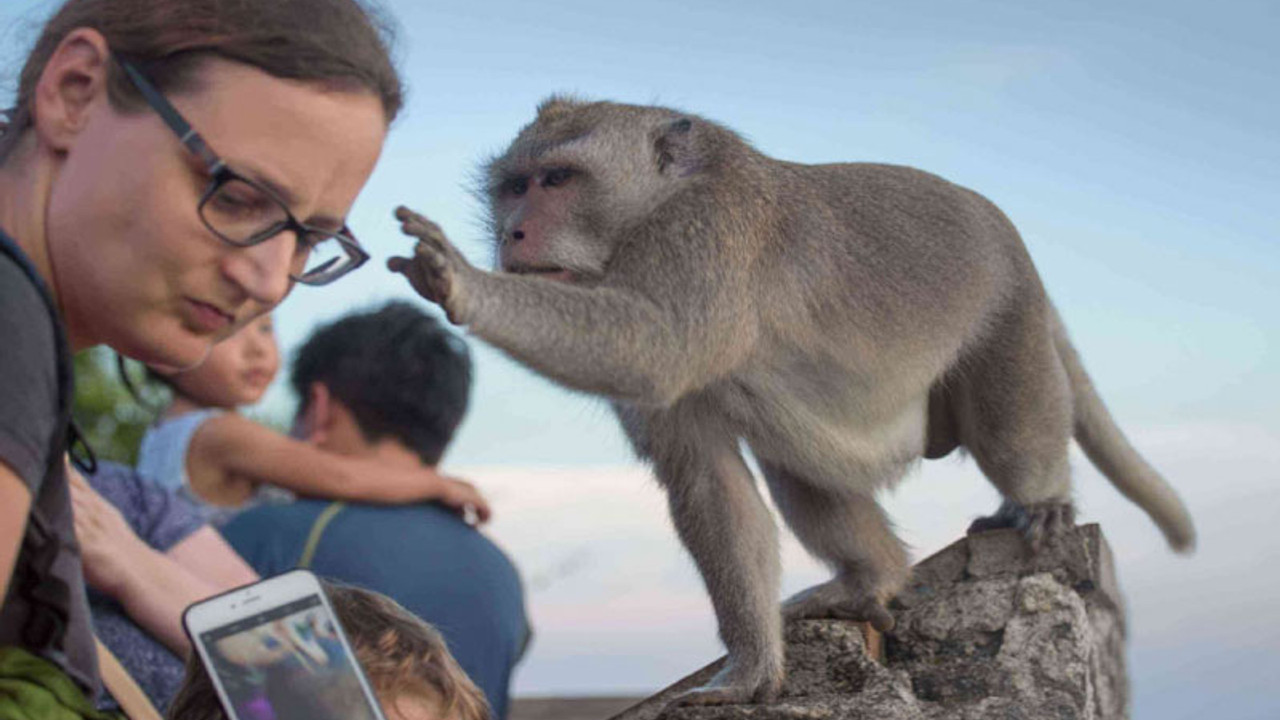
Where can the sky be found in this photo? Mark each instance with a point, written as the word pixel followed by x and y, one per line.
pixel 1134 145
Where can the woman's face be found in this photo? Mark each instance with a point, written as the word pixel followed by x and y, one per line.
pixel 237 370
pixel 135 268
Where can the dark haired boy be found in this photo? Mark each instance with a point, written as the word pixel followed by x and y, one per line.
pixel 393 383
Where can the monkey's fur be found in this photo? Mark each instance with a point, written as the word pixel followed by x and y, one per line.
pixel 843 320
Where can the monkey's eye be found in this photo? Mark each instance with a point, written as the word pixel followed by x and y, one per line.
pixel 516 186
pixel 556 177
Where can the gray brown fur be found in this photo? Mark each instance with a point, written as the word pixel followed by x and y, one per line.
pixel 843 320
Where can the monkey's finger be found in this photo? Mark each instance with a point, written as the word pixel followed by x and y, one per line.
pixel 404 214
pixel 422 228
pixel 432 258
pixel 425 281
pixel 412 223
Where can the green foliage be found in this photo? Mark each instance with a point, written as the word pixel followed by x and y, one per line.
pixel 111 419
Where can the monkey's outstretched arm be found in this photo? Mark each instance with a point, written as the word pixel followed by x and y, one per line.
pixel 619 341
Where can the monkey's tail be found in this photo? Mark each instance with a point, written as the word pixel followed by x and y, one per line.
pixel 1108 449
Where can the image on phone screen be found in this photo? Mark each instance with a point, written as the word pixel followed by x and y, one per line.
pixel 286 662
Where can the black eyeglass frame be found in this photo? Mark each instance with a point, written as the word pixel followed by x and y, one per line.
pixel 220 174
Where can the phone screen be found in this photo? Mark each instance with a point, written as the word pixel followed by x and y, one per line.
pixel 286 663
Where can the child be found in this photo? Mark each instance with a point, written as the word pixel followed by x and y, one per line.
pixel 225 461
pixel 405 660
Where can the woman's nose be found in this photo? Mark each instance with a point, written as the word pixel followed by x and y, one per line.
pixel 262 270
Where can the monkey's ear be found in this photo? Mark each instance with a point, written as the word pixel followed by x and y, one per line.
pixel 558 104
pixel 675 148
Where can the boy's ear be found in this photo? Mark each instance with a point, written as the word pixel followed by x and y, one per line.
pixel 73 79
pixel 315 422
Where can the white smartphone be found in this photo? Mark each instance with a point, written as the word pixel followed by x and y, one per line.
pixel 274 649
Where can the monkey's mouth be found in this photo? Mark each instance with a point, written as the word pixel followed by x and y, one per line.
pixel 558 274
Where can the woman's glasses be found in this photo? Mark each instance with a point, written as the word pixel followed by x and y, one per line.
pixel 242 212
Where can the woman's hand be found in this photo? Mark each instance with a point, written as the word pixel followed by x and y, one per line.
pixel 108 546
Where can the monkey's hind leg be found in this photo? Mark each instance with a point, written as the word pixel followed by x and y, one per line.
pixel 1013 407
pixel 725 525
pixel 847 530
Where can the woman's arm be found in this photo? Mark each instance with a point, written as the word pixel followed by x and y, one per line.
pixel 234 445
pixel 217 562
pixel 152 588
pixel 15 503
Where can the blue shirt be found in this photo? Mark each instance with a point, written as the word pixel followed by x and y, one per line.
pixel 423 556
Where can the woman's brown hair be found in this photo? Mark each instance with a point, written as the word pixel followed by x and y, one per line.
pixel 341 43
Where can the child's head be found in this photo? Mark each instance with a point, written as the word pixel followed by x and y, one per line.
pixel 236 372
pixel 405 659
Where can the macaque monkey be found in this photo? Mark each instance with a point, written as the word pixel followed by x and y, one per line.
pixel 842 320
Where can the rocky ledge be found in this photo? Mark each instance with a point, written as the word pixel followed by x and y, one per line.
pixel 986 630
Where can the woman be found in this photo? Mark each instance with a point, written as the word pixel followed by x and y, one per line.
pixel 170 170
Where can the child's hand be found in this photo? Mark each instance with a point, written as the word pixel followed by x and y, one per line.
pixel 466 499
pixel 382 482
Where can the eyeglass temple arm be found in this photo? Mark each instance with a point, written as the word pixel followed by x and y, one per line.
pixel 186 134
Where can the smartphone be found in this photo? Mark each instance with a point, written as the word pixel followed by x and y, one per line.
pixel 274 650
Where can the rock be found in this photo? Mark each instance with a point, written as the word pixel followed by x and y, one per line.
pixel 986 631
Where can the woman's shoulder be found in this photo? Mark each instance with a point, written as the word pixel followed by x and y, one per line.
pixel 26 321
pixel 34 376
pixel 24 302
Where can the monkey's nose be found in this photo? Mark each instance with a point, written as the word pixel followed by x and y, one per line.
pixel 517 235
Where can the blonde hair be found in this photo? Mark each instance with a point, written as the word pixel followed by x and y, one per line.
pixel 403 657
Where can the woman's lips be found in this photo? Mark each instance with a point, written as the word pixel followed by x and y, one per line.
pixel 208 318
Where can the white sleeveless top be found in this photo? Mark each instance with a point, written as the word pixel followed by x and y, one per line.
pixel 162 456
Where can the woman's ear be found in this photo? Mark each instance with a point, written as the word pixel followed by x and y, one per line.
pixel 73 82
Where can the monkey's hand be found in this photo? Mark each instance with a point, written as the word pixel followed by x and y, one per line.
pixel 437 270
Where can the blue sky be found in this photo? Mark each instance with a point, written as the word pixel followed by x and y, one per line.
pixel 1133 143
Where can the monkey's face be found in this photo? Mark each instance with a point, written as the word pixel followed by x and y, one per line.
pixel 565 195
pixel 543 227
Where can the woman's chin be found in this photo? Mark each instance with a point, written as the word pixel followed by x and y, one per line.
pixel 169 358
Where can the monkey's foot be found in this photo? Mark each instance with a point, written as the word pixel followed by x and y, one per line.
pixel 730 687
pixel 1039 522
pixel 834 599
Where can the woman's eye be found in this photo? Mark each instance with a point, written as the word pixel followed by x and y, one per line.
pixel 556 177
pixel 237 199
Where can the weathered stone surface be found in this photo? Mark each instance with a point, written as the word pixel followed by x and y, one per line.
pixel 986 630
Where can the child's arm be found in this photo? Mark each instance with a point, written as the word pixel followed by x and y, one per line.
pixel 233 445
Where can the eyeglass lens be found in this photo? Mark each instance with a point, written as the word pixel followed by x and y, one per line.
pixel 244 215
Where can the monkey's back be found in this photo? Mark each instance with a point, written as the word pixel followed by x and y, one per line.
pixel 889 256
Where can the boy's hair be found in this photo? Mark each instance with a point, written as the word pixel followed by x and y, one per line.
pixel 404 658
pixel 399 372
pixel 343 44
